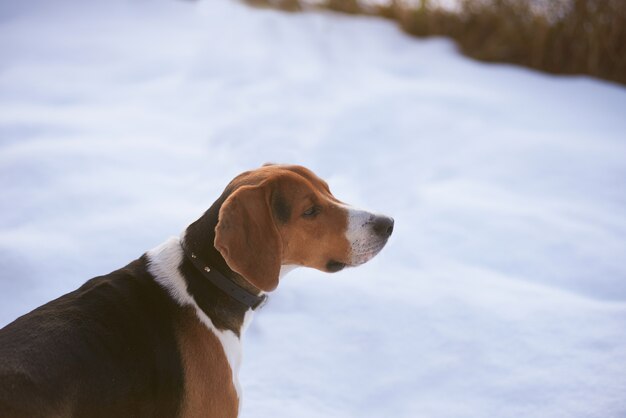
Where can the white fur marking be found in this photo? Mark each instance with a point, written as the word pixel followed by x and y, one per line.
pixel 163 262
pixel 364 242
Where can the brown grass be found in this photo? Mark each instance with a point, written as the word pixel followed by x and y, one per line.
pixel 567 37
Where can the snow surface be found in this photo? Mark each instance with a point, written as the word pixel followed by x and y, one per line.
pixel 502 292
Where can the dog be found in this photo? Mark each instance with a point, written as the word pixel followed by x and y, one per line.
pixel 161 336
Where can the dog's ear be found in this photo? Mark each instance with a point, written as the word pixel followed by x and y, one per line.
pixel 247 236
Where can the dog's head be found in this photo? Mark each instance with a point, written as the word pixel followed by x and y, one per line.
pixel 282 215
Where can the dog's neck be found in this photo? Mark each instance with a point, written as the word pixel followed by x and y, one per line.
pixel 182 280
pixel 187 283
pixel 199 238
pixel 224 312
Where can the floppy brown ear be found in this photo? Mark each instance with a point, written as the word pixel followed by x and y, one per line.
pixel 248 238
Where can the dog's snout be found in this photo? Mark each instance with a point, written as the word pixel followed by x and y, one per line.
pixel 383 226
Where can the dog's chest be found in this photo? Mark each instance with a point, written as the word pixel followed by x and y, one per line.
pixel 211 361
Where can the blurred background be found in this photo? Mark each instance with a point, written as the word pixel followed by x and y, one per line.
pixel 503 289
pixel 557 36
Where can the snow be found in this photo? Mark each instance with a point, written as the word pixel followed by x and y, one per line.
pixel 502 292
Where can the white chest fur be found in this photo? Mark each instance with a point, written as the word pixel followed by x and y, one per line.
pixel 163 262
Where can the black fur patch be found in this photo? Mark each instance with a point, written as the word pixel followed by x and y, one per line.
pixel 108 349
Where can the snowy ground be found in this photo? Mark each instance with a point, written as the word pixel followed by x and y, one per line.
pixel 503 290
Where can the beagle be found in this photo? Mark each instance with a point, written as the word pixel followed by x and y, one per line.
pixel 161 336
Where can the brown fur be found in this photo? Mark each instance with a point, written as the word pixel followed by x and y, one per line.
pixel 209 389
pixel 259 228
pixel 248 222
pixel 245 226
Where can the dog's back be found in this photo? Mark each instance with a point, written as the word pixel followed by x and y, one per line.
pixel 106 349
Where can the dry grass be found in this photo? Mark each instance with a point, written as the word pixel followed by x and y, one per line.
pixel 563 37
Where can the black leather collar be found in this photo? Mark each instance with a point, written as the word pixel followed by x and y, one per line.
pixel 225 284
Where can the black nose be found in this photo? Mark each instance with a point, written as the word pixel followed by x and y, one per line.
pixel 383 226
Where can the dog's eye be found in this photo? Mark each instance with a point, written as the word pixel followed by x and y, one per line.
pixel 311 212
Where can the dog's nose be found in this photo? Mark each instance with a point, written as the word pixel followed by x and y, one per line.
pixel 383 226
